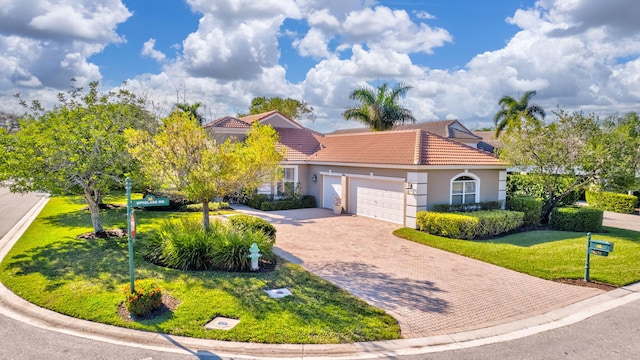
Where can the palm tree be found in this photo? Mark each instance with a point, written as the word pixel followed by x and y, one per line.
pixel 191 109
pixel 512 112
pixel 379 108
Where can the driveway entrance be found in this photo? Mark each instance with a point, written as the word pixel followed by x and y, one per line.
pixel 429 291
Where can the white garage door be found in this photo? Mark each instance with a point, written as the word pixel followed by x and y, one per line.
pixel 377 199
pixel 331 188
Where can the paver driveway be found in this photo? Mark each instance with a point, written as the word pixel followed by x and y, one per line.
pixel 429 291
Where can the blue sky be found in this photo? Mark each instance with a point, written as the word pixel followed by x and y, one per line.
pixel 459 56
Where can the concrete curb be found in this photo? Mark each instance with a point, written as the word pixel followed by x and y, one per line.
pixel 17 308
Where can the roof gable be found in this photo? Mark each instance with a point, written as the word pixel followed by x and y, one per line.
pixel 274 118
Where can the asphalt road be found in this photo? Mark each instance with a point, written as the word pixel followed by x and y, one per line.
pixel 614 334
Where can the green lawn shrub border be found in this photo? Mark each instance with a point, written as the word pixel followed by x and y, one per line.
pixel 608 201
pixel 486 205
pixel 252 223
pixel 266 202
pixel 473 225
pixel 576 218
pixel 529 205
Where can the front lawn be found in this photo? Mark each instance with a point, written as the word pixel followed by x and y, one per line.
pixel 548 254
pixel 51 267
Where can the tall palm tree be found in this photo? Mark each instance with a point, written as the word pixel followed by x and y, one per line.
pixel 379 107
pixel 512 112
pixel 191 109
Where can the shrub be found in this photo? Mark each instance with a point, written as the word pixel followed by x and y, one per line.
pixel 232 253
pixel 574 218
pixel 306 201
pixel 184 244
pixel 533 185
pixel 530 206
pixel 608 201
pixel 251 223
pixel 473 225
pixel 487 205
pixel 213 206
pixel 145 299
pixel 256 200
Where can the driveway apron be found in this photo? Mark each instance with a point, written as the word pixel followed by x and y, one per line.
pixel 429 291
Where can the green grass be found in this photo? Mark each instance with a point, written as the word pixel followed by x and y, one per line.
pixel 548 254
pixel 51 267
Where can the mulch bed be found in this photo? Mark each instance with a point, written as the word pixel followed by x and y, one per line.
pixel 590 284
pixel 169 303
pixel 106 234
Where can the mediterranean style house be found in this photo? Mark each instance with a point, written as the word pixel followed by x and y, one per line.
pixel 387 175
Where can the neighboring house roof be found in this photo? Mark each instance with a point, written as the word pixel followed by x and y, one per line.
pixel 298 143
pixel 446 128
pixel 227 122
pixel 404 147
pixel 489 137
pixel 411 144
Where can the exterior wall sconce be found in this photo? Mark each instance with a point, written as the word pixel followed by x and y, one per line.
pixel 409 185
pixel 314 178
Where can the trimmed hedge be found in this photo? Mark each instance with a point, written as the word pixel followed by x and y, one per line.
pixel 529 205
pixel 306 201
pixel 473 225
pixel 575 218
pixel 608 201
pixel 449 208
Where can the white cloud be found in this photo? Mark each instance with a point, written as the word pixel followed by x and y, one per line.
pixel 148 49
pixel 46 43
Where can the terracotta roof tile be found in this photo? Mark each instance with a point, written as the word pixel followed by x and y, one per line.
pixel 227 122
pixel 298 143
pixel 437 150
pixel 407 147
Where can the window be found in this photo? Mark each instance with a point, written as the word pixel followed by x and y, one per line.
pixel 286 186
pixel 464 190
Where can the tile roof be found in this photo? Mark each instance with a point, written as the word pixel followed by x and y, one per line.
pixel 404 147
pixel 298 143
pixel 227 122
pixel 445 128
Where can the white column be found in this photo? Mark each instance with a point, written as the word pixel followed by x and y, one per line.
pixel 416 197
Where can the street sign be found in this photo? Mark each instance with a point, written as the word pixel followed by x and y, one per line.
pixel 150 200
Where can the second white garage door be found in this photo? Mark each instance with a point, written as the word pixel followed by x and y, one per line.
pixel 377 199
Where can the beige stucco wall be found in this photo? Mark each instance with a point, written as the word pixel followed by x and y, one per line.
pixel 439 185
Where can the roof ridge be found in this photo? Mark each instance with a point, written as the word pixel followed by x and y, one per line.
pixel 417 156
pixel 374 132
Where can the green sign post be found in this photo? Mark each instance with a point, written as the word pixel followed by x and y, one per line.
pixel 150 200
pixel 595 247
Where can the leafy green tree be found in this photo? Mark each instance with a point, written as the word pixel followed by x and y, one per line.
pixel 379 108
pixel 192 110
pixel 78 147
pixel 292 108
pixel 513 112
pixel 619 143
pixel 566 155
pixel 184 160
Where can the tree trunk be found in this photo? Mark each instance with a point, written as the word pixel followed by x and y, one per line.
pixel 205 214
pixel 94 209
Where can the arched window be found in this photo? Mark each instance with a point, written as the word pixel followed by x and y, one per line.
pixel 465 189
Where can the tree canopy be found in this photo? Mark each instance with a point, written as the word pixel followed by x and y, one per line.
pixel 191 110
pixel 379 108
pixel 573 151
pixel 181 158
pixel 78 147
pixel 292 108
pixel 513 112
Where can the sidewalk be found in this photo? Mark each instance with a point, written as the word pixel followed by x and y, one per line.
pixel 15 307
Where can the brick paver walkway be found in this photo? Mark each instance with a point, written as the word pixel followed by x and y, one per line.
pixel 429 291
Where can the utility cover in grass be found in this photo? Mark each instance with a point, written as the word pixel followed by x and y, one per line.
pixel 221 323
pixel 278 293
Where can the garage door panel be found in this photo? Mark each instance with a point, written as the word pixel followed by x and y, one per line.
pixel 378 199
